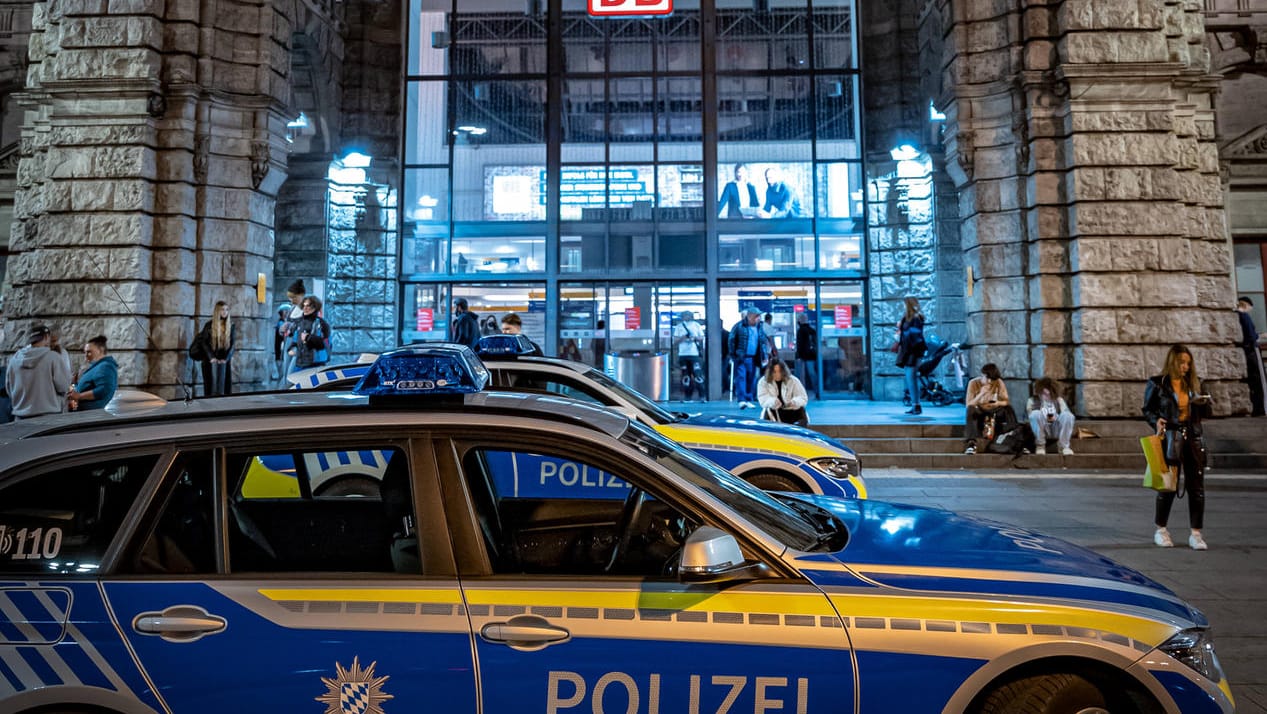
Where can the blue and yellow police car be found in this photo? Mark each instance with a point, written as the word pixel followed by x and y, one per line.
pixel 139 574
pixel 773 456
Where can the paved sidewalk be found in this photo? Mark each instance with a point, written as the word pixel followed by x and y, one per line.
pixel 846 412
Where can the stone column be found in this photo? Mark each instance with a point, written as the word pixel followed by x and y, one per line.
pixel 363 235
pixel 1079 133
pixel 151 156
pixel 902 240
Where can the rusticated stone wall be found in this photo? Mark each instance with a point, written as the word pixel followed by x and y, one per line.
pixel 1080 135
pixel 905 255
pixel 152 152
pixel 363 237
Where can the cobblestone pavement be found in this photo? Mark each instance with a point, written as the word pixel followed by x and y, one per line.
pixel 1112 514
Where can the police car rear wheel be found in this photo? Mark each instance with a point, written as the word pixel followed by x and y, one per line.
pixel 1046 694
pixel 770 481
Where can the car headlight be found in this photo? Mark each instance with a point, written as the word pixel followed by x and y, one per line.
pixel 1195 648
pixel 836 467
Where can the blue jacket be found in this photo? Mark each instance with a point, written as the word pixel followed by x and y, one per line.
pixel 102 378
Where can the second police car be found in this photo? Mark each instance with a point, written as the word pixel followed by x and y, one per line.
pixel 137 575
pixel 776 457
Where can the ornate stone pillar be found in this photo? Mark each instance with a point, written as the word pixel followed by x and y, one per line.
pixel 1081 135
pixel 151 155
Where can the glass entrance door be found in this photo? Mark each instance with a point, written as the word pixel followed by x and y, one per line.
pixel 842 330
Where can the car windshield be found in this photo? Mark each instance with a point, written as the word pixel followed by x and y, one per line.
pixel 781 522
pixel 644 405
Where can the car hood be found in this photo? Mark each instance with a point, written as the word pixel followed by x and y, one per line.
pixel 926 549
pixel 770 427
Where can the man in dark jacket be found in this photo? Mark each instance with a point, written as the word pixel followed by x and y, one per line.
pixel 1253 357
pixel 806 352
pixel 749 348
pixel 38 378
pixel 466 326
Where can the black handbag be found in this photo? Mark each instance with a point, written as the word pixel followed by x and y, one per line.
pixel 199 350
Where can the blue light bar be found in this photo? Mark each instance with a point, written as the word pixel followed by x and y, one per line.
pixel 498 345
pixel 424 370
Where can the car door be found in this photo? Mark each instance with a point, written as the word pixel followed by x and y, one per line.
pixel 245 592
pixel 576 608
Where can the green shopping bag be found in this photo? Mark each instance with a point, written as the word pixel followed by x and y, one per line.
pixel 1158 475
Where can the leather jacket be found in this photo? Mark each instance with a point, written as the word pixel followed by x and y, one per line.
pixel 1160 403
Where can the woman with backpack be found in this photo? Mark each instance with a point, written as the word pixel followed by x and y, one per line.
pixel 312 335
pixel 910 348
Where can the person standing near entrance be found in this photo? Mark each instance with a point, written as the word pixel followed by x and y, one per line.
pixel 466 325
pixel 748 347
pixel 688 338
pixel 37 378
pixel 99 379
pixel 513 324
pixel 910 348
pixel 1253 358
pixel 806 351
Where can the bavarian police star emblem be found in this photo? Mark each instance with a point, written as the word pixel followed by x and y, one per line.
pixel 354 690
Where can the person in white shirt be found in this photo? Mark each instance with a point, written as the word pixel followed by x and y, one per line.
pixel 782 396
pixel 1049 417
pixel 688 339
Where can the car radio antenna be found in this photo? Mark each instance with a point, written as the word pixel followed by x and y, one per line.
pixel 186 392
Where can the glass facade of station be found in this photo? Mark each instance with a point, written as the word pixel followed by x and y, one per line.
pixel 600 176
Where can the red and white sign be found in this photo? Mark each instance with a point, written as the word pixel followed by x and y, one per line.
pixel 633 318
pixel 609 8
pixel 426 319
pixel 844 316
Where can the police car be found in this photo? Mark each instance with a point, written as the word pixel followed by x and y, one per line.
pixel 773 456
pixel 138 576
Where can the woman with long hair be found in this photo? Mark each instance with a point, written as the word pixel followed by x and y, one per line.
pixel 910 348
pixel 782 396
pixel 1174 406
pixel 218 336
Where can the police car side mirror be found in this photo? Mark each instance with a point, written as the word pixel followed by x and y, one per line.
pixel 711 555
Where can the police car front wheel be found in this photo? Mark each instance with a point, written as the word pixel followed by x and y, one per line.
pixel 1046 694
pixel 772 481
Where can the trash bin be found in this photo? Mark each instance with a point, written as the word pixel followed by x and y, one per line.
pixel 646 372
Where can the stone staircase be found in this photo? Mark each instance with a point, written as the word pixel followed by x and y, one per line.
pixel 1234 444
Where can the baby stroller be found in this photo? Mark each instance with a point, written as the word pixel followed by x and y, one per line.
pixel 930 389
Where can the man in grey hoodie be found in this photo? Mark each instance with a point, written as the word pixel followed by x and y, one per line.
pixel 37 378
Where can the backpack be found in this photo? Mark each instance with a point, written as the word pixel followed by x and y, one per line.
pixel 1012 441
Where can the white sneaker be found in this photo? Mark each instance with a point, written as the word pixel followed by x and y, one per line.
pixel 1162 539
pixel 1196 542
pixel 1040 449
pixel 1066 451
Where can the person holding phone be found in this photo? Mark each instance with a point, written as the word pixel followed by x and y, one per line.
pixel 987 401
pixel 1174 405
pixel 1049 417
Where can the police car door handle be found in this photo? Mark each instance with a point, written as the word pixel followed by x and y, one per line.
pixel 527 632
pixel 180 623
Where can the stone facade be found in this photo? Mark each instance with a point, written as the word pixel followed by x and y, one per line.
pixel 1067 220
pixel 1081 138
pixel 151 156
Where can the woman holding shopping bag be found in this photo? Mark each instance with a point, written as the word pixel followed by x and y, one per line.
pixel 1174 406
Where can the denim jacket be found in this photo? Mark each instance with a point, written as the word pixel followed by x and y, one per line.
pixel 1160 403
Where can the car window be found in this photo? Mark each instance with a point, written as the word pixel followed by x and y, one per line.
pixel 62 521
pixel 565 532
pixel 547 384
pixel 182 539
pixel 322 511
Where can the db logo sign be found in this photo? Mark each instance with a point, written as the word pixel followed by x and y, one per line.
pixel 605 8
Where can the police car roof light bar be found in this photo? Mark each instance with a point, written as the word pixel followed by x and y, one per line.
pixel 504 346
pixel 423 371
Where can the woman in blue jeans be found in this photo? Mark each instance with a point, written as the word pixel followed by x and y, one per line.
pixel 910 348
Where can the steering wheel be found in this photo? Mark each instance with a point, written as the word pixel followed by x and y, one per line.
pixel 625 524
